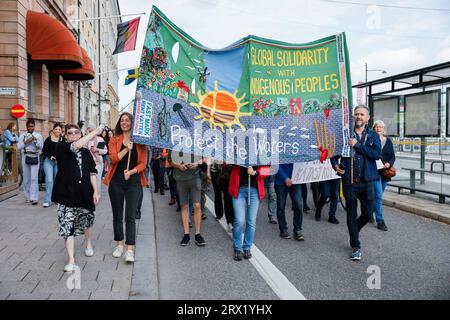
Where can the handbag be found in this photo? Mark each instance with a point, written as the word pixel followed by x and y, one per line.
pixel 389 172
pixel 31 160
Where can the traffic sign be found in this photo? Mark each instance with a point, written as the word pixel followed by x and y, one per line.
pixel 17 111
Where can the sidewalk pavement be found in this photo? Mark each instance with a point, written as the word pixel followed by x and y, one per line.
pixel 428 157
pixel 413 204
pixel 33 256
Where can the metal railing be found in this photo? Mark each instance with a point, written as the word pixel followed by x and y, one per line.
pixel 9 164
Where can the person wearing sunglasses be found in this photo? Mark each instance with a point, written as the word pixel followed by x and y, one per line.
pixel 75 191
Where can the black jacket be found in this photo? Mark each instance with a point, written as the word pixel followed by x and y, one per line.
pixel 387 156
pixel 49 149
pixel 73 188
pixel 371 150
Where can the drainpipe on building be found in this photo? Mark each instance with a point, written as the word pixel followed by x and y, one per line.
pixel 99 66
pixel 79 83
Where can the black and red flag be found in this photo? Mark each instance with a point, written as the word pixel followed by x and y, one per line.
pixel 127 35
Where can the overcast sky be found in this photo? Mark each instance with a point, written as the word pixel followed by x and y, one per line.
pixel 397 40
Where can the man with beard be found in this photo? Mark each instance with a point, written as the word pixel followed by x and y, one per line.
pixel 358 174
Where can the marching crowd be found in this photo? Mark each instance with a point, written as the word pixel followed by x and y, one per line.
pixel 76 165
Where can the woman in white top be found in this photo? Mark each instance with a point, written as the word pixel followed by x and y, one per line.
pixel 98 148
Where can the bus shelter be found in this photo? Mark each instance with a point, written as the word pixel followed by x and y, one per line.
pixel 415 107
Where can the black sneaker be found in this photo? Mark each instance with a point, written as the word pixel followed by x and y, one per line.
pixel 199 240
pixel 317 215
pixel 247 254
pixel 306 208
pixel 162 193
pixel 237 255
pixel 333 220
pixel 382 226
pixel 299 237
pixel 138 214
pixel 204 216
pixel 185 241
pixel 285 234
pixel 156 190
pixel 34 203
pixel 272 220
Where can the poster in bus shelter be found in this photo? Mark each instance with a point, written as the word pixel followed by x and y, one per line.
pixel 255 102
pixel 423 114
pixel 388 110
pixel 448 112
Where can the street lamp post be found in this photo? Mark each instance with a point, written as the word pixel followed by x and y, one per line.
pixel 367 71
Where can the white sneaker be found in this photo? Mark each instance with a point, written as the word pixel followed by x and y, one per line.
pixel 129 256
pixel 89 252
pixel 118 251
pixel 46 205
pixel 70 268
pixel 230 228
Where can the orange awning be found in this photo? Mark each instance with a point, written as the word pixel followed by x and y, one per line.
pixel 85 73
pixel 49 41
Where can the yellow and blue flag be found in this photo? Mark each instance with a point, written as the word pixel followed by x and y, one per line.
pixel 132 75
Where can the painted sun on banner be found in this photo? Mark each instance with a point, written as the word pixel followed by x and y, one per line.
pixel 257 101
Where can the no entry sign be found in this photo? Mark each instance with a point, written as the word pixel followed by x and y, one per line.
pixel 17 111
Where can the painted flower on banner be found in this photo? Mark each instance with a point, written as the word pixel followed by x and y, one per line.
pixel 159 58
pixel 261 104
pixel 314 106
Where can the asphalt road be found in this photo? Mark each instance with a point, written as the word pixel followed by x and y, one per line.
pixel 413 259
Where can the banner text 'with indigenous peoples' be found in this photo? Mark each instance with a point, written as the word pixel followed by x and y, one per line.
pixel 254 102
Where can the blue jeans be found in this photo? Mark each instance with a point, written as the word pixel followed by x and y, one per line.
pixel 245 216
pixel 50 169
pixel 329 189
pixel 269 184
pixel 296 196
pixel 379 186
pixel 363 192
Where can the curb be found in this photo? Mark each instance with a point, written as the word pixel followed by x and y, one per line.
pixel 144 281
pixel 410 208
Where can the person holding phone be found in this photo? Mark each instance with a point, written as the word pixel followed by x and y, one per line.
pixel 30 144
pixel 75 191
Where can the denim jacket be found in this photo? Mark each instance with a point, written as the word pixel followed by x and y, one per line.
pixel 371 150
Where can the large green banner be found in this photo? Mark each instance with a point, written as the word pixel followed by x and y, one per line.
pixel 256 101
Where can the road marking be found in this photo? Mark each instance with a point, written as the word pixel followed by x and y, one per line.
pixel 276 280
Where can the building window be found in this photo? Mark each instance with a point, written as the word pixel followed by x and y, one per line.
pixel 31 89
pixel 53 92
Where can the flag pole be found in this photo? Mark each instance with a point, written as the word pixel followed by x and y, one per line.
pixel 109 17
pixel 249 190
pixel 129 158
